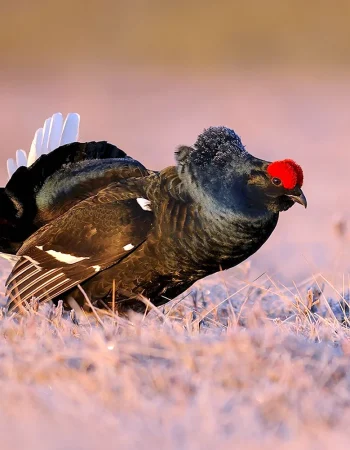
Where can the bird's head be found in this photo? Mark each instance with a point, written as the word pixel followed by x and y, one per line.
pixel 220 167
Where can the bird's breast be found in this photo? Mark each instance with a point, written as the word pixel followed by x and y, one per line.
pixel 189 241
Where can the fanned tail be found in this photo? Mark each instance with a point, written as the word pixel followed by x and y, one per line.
pixel 54 133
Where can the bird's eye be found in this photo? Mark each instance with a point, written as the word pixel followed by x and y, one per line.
pixel 276 181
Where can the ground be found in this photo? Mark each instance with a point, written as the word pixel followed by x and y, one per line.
pixel 262 368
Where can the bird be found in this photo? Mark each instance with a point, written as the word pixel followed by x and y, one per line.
pixel 152 234
pixel 25 201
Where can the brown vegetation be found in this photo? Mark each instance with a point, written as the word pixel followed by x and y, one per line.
pixel 250 365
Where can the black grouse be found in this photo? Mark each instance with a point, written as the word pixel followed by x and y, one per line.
pixel 151 233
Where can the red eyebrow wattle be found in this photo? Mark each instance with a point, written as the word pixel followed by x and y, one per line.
pixel 298 169
pixel 288 171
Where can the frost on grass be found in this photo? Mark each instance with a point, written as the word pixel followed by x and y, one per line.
pixel 229 366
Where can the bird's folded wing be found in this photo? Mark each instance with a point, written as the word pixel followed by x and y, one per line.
pixel 70 173
pixel 91 236
pixel 47 164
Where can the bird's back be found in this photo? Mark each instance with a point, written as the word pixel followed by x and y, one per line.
pixel 55 182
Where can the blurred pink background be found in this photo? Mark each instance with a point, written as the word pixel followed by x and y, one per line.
pixel 149 76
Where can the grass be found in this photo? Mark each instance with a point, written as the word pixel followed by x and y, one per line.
pixel 232 365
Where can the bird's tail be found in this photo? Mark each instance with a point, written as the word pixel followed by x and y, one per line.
pixel 54 133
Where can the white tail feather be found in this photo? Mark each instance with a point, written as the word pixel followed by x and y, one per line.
pixel 54 133
pixel 35 149
pixel 11 167
pixel 44 145
pixel 70 129
pixel 21 158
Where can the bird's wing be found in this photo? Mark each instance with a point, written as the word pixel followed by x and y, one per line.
pixel 90 237
pixel 54 133
pixel 27 181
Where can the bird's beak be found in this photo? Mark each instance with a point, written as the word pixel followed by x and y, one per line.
pixel 299 198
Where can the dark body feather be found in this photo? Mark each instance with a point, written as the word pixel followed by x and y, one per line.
pixel 184 244
pixel 54 183
pixel 153 233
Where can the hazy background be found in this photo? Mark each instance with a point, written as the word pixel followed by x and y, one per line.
pixel 150 75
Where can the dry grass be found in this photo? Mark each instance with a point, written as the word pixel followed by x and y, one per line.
pixel 238 366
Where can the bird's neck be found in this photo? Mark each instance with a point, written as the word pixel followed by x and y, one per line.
pixel 235 206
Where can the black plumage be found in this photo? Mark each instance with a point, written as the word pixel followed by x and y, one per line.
pixel 153 233
pixel 54 183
